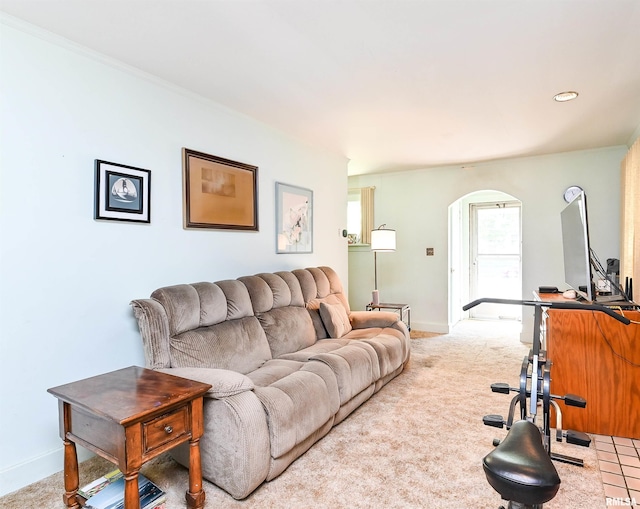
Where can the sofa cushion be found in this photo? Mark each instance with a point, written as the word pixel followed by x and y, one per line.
pixel 297 299
pixel 238 301
pixel 197 305
pixel 335 319
pixel 262 295
pixel 355 367
pixel 391 345
pixel 298 397
pixel 321 346
pixel 182 306
pixel 224 383
pixel 213 303
pixel 278 304
pixel 288 329
pixel 238 345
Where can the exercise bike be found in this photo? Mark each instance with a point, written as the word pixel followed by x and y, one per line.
pixel 520 468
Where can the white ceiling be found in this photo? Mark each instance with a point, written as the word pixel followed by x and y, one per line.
pixel 391 84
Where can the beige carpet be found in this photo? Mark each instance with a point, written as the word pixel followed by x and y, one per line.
pixel 418 443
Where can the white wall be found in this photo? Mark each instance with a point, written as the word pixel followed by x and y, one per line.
pixel 415 203
pixel 66 280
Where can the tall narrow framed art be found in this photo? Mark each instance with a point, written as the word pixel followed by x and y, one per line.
pixel 294 219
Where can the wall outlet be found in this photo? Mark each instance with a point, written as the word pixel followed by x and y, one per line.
pixel 429 251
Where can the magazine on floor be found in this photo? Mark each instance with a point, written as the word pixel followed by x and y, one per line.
pixel 111 496
pixel 94 487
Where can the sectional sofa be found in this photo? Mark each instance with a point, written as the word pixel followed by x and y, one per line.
pixel 286 357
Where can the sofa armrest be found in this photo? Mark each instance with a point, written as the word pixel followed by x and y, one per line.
pixel 366 319
pixel 223 382
pixel 154 331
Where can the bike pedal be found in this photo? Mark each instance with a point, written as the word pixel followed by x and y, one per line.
pixel 578 438
pixel 573 400
pixel 493 420
pixel 500 387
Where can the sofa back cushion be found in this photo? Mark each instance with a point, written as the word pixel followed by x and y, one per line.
pixel 181 303
pixel 321 284
pixel 212 325
pixel 279 306
pixel 238 345
pixel 236 324
pixel 288 329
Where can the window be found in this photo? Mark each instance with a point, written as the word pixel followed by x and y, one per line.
pixel 360 215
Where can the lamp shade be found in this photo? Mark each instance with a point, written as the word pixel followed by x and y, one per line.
pixel 383 239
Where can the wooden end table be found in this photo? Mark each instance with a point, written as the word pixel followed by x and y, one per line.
pixel 128 417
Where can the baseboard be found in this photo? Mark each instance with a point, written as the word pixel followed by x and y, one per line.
pixel 21 475
pixel 439 328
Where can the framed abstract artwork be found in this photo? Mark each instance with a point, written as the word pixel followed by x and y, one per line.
pixel 122 193
pixel 219 194
pixel 294 219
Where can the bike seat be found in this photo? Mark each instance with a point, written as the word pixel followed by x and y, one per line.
pixel 520 468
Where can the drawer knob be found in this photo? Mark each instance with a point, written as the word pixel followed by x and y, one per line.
pixel 168 429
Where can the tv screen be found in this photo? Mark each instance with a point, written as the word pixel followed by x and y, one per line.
pixel 575 245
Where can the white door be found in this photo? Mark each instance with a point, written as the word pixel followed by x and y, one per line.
pixel 496 258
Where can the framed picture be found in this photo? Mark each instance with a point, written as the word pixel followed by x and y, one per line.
pixel 294 219
pixel 219 194
pixel 122 192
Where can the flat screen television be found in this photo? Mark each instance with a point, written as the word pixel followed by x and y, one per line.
pixel 576 248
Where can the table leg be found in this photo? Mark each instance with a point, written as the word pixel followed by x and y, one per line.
pixel 71 478
pixel 195 495
pixel 131 495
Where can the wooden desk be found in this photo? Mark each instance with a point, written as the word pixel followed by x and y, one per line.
pixel 598 358
pixel 130 416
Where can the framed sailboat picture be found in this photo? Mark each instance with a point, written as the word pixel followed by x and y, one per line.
pixel 122 193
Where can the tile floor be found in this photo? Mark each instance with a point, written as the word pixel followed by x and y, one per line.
pixel 619 460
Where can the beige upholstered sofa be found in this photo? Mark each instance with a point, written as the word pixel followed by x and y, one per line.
pixel 286 357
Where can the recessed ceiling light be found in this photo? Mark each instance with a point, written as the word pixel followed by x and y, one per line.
pixel 563 97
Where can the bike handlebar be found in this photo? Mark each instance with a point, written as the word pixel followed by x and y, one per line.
pixel 548 304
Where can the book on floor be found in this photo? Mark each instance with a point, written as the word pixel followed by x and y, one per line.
pixel 111 496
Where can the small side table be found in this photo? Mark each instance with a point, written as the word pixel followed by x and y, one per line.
pixel 404 310
pixel 128 417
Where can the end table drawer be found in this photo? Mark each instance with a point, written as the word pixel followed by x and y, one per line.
pixel 166 428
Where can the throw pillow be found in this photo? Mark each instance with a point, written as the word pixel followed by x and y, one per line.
pixel 335 319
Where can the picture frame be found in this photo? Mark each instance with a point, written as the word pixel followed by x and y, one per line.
pixel 218 193
pixel 122 192
pixel 294 219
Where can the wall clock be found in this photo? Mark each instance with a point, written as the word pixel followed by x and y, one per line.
pixel 571 192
